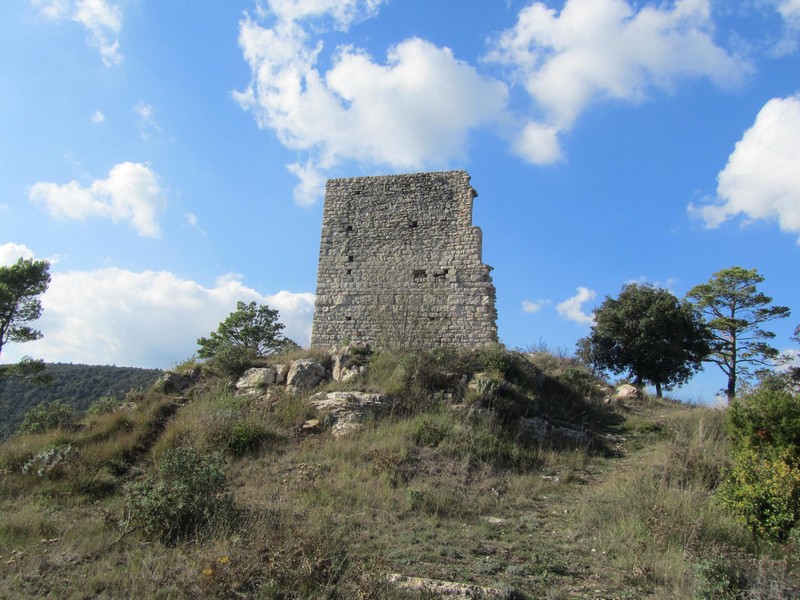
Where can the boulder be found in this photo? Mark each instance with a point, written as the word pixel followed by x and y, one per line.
pixel 350 362
pixel 344 369
pixel 305 374
pixel 172 382
pixel 280 373
pixel 347 411
pixel 626 392
pixel 255 380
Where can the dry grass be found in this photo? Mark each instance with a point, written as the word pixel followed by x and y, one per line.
pixel 429 491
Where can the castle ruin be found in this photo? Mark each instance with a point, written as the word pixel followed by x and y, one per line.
pixel 400 264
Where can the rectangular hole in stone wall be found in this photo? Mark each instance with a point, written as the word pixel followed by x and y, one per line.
pixel 412 224
pixel 348 318
pixel 419 275
pixel 349 271
pixel 349 228
pixel 350 258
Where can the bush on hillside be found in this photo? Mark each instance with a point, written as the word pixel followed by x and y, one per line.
pixel 47 416
pixel 763 489
pixel 183 499
pixel 767 417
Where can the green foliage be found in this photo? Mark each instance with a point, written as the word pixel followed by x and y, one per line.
pixel 185 497
pixel 767 417
pixel 103 406
pixel 247 334
pixel 20 286
pixel 763 489
pixel 719 578
pixel 648 333
pixel 50 462
pixel 736 312
pixel 763 485
pixel 77 385
pixel 47 416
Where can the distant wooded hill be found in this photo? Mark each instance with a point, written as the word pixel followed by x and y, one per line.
pixel 78 385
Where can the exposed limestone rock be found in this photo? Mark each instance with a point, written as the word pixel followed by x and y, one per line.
pixel 345 369
pixel 305 374
pixel 310 426
pixel 626 392
pixel 445 589
pixel 347 411
pixel 255 380
pixel 541 429
pixel 172 382
pixel 280 373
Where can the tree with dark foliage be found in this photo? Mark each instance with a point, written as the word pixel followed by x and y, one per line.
pixel 648 333
pixel 21 284
pixel 736 312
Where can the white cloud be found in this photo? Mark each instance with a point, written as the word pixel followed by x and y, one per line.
pixel 191 221
pixel 597 50
pixel 102 18
pixel 572 308
pixel 147 123
pixel 130 193
pixel 529 306
pixel 761 180
pixel 147 319
pixel 790 11
pixel 11 253
pixel 98 117
pixel 343 13
pixel 413 111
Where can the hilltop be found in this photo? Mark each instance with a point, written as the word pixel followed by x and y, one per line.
pixel 380 475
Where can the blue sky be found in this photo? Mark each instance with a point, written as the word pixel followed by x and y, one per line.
pixel 170 160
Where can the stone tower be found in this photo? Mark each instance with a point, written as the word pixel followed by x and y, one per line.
pixel 400 264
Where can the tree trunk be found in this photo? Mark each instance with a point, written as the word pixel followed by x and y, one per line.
pixel 658 390
pixel 731 387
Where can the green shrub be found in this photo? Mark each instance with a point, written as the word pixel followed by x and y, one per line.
pixel 50 462
pixel 767 417
pixel 103 406
pixel 718 578
pixel 47 416
pixel 185 497
pixel 242 437
pixel 763 489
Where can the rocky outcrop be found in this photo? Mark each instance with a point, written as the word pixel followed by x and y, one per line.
pixel 541 429
pixel 255 380
pixel 305 374
pixel 445 589
pixel 348 411
pixel 173 382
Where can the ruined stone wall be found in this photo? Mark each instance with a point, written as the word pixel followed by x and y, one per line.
pixel 400 264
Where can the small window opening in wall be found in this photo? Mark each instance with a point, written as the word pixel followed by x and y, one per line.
pixel 348 318
pixel 412 224
pixel 431 318
pixel 350 258
pixel 349 228
pixel 349 271
pixel 419 275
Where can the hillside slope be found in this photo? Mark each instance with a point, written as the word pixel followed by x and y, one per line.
pixel 460 490
pixel 77 385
